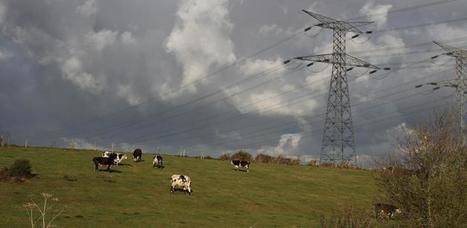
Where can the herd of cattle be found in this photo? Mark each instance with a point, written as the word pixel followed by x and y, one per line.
pixel 178 182
pixel 183 182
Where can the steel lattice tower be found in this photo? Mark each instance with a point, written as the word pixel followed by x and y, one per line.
pixel 459 83
pixel 338 141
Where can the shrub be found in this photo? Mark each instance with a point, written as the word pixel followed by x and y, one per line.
pixel 287 161
pixel 264 158
pixel 242 155
pixel 20 168
pixel 314 163
pixel 429 177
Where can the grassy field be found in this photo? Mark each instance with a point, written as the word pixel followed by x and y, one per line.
pixel 138 195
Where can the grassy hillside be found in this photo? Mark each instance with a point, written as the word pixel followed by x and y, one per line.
pixel 138 195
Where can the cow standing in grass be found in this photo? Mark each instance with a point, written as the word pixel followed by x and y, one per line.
pixel 119 157
pixel 137 155
pixel 104 161
pixel 157 161
pixel 181 182
pixel 385 211
pixel 241 165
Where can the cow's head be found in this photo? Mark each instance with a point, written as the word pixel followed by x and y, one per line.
pixel 189 190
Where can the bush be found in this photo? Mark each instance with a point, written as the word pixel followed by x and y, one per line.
pixel 314 163
pixel 264 158
pixel 428 177
pixel 287 161
pixel 21 168
pixel 242 155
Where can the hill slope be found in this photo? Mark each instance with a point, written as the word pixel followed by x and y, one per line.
pixel 138 195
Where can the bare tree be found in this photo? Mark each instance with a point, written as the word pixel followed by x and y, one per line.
pixel 426 175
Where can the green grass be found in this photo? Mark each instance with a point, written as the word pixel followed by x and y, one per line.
pixel 138 196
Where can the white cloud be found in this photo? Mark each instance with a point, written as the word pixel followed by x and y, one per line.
pixel 73 70
pixel 88 8
pixel 79 143
pixel 258 66
pixel 102 38
pixel 126 92
pixel 200 38
pixel 288 145
pixel 376 13
pixel 127 38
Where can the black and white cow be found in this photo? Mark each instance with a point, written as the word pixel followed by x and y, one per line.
pixel 137 155
pixel 240 164
pixel 109 161
pixel 157 161
pixel 119 156
pixel 385 211
pixel 181 182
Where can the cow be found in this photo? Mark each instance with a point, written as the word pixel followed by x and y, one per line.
pixel 108 161
pixel 137 155
pixel 119 157
pixel 241 165
pixel 157 161
pixel 384 211
pixel 181 182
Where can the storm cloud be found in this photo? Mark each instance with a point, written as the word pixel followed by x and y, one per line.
pixel 207 75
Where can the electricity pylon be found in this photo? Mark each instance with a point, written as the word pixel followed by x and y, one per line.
pixel 459 83
pixel 338 141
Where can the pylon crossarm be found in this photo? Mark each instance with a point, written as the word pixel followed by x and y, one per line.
pixel 356 62
pixel 331 23
pixel 445 47
pixel 452 51
pixel 323 58
pixel 349 61
pixel 453 83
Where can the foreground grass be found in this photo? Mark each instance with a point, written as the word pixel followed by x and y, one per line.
pixel 138 195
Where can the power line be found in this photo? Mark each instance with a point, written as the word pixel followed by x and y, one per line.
pixel 211 118
pixel 280 42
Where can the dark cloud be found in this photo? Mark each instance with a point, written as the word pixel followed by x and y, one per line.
pixel 66 65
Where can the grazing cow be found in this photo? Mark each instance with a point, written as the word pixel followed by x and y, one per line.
pixel 137 155
pixel 384 211
pixel 240 164
pixel 109 161
pixel 157 161
pixel 119 157
pixel 181 182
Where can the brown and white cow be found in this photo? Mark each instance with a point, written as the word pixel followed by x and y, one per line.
pixel 181 182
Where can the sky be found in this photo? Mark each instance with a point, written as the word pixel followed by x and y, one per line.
pixel 207 76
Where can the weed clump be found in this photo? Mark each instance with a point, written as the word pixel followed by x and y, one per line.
pixel 18 171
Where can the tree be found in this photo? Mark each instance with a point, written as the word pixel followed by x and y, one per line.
pixel 427 176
